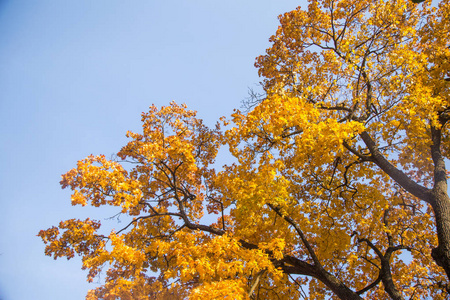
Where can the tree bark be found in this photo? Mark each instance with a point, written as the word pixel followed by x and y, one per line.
pixel 387 280
pixel 441 208
pixel 440 204
pixel 296 266
pixel 340 289
pixel 437 197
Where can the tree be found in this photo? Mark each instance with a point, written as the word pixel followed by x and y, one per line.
pixel 339 183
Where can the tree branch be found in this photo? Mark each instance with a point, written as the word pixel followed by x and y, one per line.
pixel 401 178
pixel 301 234
pixel 385 271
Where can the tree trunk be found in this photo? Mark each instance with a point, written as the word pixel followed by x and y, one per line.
pixel 340 289
pixel 440 203
pixel 441 207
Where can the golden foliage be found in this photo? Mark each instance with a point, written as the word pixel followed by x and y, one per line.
pixel 332 180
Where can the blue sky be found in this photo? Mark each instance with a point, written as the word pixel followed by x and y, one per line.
pixel 76 75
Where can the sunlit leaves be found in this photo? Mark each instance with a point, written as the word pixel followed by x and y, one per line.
pixel 306 203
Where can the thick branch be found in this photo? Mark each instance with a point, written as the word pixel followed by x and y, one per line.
pixel 440 178
pixel 300 233
pixel 385 272
pixel 293 265
pixel 441 203
pixel 317 271
pixel 401 178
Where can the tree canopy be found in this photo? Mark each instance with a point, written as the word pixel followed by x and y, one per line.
pixel 338 188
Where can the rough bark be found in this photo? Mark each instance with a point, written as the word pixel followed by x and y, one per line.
pixel 437 197
pixel 441 208
pixel 401 178
pixel 340 289
pixel 387 280
pixel 440 204
pixel 299 267
pixel 315 270
pixel 385 274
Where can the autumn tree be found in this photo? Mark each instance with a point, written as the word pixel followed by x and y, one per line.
pixel 339 186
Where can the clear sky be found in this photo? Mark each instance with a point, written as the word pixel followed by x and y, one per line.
pixel 75 76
